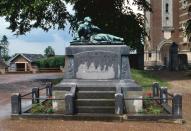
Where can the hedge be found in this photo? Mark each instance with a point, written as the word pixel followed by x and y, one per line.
pixel 51 62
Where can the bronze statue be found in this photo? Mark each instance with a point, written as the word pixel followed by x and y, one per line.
pixel 89 32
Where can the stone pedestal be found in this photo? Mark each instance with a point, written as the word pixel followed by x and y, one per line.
pixel 98 68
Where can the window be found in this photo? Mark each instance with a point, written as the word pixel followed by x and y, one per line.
pixel 150 54
pixel 184 4
pixel 167 8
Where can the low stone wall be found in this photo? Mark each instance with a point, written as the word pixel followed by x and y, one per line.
pixel 133 106
pixel 59 105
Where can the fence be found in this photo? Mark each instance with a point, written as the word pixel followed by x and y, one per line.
pixel 34 96
pixel 162 94
pixel 171 103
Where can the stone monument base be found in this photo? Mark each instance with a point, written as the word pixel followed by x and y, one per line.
pixel 97 79
pixel 92 90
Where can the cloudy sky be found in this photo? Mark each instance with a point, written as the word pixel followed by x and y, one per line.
pixel 37 40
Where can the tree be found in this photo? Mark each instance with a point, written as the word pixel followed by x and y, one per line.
pixel 4 48
pixel 23 15
pixel 49 52
pixel 113 16
pixel 188 29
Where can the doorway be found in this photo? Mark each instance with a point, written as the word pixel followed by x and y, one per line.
pixel 20 67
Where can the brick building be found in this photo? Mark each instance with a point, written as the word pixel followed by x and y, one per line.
pixel 165 25
pixel 23 62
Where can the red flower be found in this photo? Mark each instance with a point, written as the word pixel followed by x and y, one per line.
pixel 149 94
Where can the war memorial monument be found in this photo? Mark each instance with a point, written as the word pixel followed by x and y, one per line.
pixel 97 84
pixel 97 76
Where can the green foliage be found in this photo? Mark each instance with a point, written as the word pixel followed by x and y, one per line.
pixel 51 62
pixel 38 108
pixel 156 110
pixel 188 29
pixel 23 15
pixel 147 102
pixel 49 52
pixel 4 48
pixel 113 17
pixel 146 79
pixel 45 107
pixel 151 107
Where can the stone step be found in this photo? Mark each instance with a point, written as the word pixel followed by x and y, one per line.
pixel 95 102
pixel 96 109
pixel 98 116
pixel 95 95
pixel 96 88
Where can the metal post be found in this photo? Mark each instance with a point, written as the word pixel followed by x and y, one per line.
pixel 16 103
pixel 155 89
pixel 177 105
pixel 69 104
pixel 35 94
pixel 163 95
pixel 49 89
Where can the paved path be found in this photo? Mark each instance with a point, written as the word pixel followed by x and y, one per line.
pixel 22 83
pixel 179 83
pixel 12 78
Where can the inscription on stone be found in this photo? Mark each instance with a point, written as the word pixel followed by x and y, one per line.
pixel 96 65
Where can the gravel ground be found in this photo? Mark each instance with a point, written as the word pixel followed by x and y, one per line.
pixel 179 82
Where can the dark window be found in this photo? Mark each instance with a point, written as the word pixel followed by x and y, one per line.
pixel 189 39
pixel 167 6
pixel 150 54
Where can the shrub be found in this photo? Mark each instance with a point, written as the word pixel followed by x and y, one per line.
pixel 45 107
pixel 51 62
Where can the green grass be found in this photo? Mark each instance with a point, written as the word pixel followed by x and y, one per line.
pixel 146 79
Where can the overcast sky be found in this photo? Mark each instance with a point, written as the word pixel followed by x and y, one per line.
pixel 37 40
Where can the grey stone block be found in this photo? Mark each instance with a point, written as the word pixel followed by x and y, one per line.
pixel 119 103
pixel 133 106
pixel 16 103
pixel 69 104
pixel 97 70
pixel 97 62
pixel 59 105
pixel 177 105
